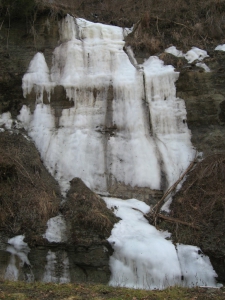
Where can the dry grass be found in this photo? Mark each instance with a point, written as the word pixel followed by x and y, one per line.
pixel 51 291
pixel 161 23
pixel 87 212
pixel 29 196
pixel 198 211
pixel 201 202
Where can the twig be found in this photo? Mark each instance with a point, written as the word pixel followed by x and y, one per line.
pixel 157 25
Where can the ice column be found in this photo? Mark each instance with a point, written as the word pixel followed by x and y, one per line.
pixel 168 119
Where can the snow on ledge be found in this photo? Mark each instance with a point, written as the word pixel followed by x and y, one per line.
pixel 195 54
pixel 203 66
pixel 192 55
pixel 220 47
pixel 174 51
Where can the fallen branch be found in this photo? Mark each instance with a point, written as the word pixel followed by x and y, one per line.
pixel 174 220
pixel 155 210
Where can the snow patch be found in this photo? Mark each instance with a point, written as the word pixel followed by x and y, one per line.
pixel 143 258
pixel 56 231
pixel 6 120
pixel 220 47
pixel 203 66
pixel 195 54
pixel 174 51
pixel 196 267
pixel 19 257
pixel 191 55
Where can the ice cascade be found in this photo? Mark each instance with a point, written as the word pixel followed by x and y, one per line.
pixel 126 126
pixel 144 258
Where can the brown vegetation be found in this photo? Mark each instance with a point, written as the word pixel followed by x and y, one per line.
pixel 184 23
pixel 87 213
pixel 159 24
pixel 29 196
pixel 201 203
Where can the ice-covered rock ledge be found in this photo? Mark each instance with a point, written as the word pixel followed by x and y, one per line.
pixel 126 126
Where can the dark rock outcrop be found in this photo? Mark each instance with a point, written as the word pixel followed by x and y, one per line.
pixel 89 224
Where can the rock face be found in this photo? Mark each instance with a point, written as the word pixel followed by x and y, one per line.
pixel 204 95
pixel 89 224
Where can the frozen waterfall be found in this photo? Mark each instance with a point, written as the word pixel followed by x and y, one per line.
pixel 126 127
